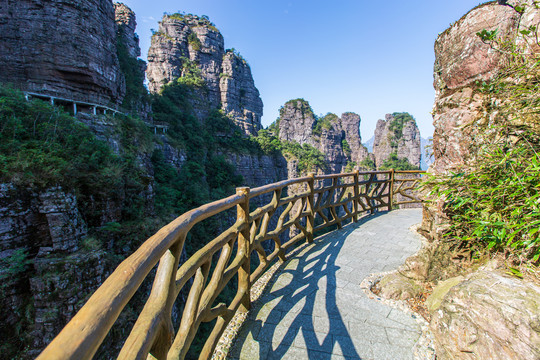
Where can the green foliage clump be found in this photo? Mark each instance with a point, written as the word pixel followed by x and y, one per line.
pixel 324 123
pixel 496 205
pixel 299 104
pixel 309 158
pixel 206 175
pixel 367 164
pixel 346 148
pixel 191 74
pixel 268 142
pixel 396 125
pixel 393 162
pixel 12 266
pixel 194 41
pixel 350 167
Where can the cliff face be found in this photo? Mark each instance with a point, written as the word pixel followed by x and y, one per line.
pixel 125 27
pixel 186 46
pixel 61 48
pixel 400 135
pixel 337 138
pixel 461 59
pixel 461 116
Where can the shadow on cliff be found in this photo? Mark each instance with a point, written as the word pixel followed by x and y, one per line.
pixel 309 294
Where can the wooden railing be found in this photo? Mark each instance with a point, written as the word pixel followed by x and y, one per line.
pixel 293 210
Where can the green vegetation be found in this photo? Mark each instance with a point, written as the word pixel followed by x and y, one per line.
pixel 346 148
pixel 393 162
pixel 350 167
pixel 309 158
pixel 396 126
pixel 12 266
pixel 324 123
pixel 493 202
pixel 136 92
pixel 367 164
pixel 299 104
pixel 194 41
pixel 191 74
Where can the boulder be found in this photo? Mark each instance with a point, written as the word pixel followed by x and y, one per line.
pixel 486 315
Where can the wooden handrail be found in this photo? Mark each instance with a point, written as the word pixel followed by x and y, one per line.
pixel 316 205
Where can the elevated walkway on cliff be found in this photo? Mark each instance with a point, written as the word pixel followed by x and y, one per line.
pixel 316 309
pixel 273 222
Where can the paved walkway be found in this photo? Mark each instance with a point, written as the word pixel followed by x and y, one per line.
pixel 316 310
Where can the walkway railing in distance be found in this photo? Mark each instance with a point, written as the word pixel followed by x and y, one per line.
pixel 291 210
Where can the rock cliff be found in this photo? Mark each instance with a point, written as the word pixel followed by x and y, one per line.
pixel 400 135
pixel 125 26
pixel 61 48
pixel 508 307
pixel 188 46
pixel 337 138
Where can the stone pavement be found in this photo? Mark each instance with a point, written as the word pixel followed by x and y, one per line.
pixel 315 308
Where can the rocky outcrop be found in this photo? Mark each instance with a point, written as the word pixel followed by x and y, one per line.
pixel 338 139
pixel 462 59
pixel 42 231
pixel 191 46
pixel 486 315
pixel 397 134
pixel 240 98
pixel 125 27
pixel 350 122
pixel 61 48
pixel 259 170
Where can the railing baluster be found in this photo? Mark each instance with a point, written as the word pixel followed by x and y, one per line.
pixel 356 195
pixel 310 222
pixel 242 216
pixel 391 191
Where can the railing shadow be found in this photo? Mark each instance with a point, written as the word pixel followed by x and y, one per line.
pixel 304 308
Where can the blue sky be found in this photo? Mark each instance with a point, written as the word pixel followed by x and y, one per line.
pixel 368 57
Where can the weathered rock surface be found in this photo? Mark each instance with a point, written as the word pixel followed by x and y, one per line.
pixel 350 122
pixel 398 287
pixel 259 170
pixel 239 96
pixel 125 26
pixel 461 60
pixel 487 316
pixel 41 225
pixel 61 48
pixel 405 143
pixel 297 123
pixel 186 41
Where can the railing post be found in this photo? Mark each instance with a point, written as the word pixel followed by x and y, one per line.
pixel 242 216
pixel 391 193
pixel 310 226
pixel 356 194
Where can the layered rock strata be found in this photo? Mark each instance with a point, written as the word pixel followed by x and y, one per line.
pixel 125 24
pixel 62 48
pixel 188 45
pixel 405 142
